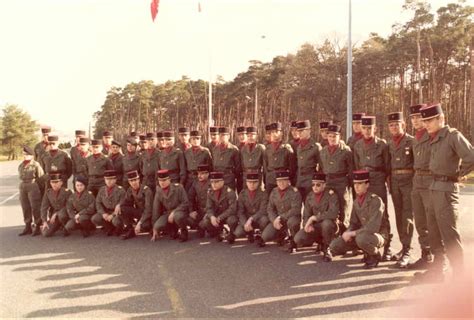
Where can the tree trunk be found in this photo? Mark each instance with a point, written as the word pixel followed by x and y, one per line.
pixel 418 68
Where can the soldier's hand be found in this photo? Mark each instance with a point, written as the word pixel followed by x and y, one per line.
pixel 248 225
pixel 117 210
pixel 214 221
pixel 171 217
pixel 347 236
pixel 45 226
pixel 76 217
pixel 277 223
pixel 193 215
pixel 462 179
pixel 308 228
pixel 155 236
pixel 138 228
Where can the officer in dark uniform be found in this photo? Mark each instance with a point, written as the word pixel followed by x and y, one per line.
pixel 116 157
pixel 214 136
pixel 252 155
pixel 195 156
pixel 141 144
pixel 130 160
pixel 107 138
pixel 56 160
pixel 149 164
pixel 241 137
pixel 74 152
pixel 226 159
pixel 79 160
pixel 161 140
pixel 43 146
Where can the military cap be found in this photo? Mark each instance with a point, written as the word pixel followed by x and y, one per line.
pixel 183 130
pixel 83 140
pixel 395 117
pixel 150 135
pixel 159 134
pixel 252 177
pixel 357 116
pixel 116 143
pixel 96 142
pixel 368 120
pixel 142 137
pixel 163 174
pixel 293 124
pixel 241 130
pixel 110 174
pixel 28 150
pixel 203 168
pixel 302 125
pixel 133 134
pixel 360 175
pixel 80 133
pixel 132 175
pixel 107 134
pixel 224 130
pixel 251 129
pixel 82 180
pixel 45 130
pixel 432 111
pixel 268 127
pixel 324 124
pixel 216 176
pixel 276 126
pixel 132 141
pixel 416 109
pixel 195 133
pixel 334 128
pixel 213 129
pixel 168 134
pixel 53 138
pixel 282 174
pixel 55 176
pixel 319 176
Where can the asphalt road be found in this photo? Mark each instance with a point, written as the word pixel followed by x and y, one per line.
pixel 107 277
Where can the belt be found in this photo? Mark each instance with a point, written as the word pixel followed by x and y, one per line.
pixel 336 175
pixel 377 169
pixel 402 171
pixel 438 177
pixel 420 172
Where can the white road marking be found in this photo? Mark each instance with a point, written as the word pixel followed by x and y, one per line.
pixel 9 198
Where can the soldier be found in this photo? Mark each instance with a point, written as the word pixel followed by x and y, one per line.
pixel 368 230
pixel 97 164
pixel 420 195
pixel 79 159
pixel 323 132
pixel 108 205
pixel 53 206
pixel 268 136
pixel 152 140
pixel 74 152
pixel 161 140
pixel 170 208
pixel 195 156
pixel 137 205
pixel 141 144
pixel 171 158
pixel 30 172
pixel 226 159
pixel 214 136
pixel 284 211
pixel 309 160
pixel 241 137
pixel 252 155
pixel 278 156
pixel 197 196
pixel 80 208
pixel 116 157
pixel 337 163
pixel 107 138
pixel 134 136
pixel 295 137
pixel 41 147
pixel 451 160
pixel 321 210
pixel 56 160
pixel 357 130
pixel 149 164
pixel 221 208
pixel 251 209
pixel 130 160
pixel 401 183
pixel 371 153
pixel 183 139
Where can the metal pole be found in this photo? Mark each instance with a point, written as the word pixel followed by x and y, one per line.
pixel 349 77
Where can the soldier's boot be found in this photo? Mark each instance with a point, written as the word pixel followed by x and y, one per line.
pixel 387 252
pixel 66 233
pixel 129 233
pixel 405 258
pixel 183 234
pixel 364 258
pixel 258 239
pixel 436 271
pixel 37 230
pixel 327 256
pixel 118 231
pixel 85 233
pixel 424 262
pixel 250 237
pixel 372 261
pixel 221 234
pixel 200 232
pixel 173 231
pixel 230 238
pixel 26 230
pixel 291 245
pixel 318 248
pixel 281 238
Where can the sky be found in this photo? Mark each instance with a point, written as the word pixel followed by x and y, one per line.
pixel 58 58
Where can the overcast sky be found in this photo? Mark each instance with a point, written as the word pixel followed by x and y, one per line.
pixel 58 58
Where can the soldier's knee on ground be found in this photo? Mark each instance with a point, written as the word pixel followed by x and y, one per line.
pixel 368 242
pixel 97 219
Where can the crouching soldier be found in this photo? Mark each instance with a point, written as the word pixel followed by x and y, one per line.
pixel 221 209
pixel 321 209
pixel 80 208
pixel 284 211
pixel 197 196
pixel 367 230
pixel 107 204
pixel 138 205
pixel 53 206
pixel 252 209
pixel 170 208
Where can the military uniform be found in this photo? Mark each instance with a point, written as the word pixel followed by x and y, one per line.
pixel 138 205
pixel 293 141
pixel 253 159
pixel 30 196
pixel 105 203
pixel 197 196
pixel 97 164
pixel 172 159
pixel 82 204
pixel 194 157
pixel 211 145
pixel 79 160
pixel 117 164
pixel 252 205
pixel 131 162
pixel 54 203
pixel 356 136
pixel 226 159
pixel 149 166
pixel 57 161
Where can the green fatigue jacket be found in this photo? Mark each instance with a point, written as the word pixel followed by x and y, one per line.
pixel 293 143
pixel 401 157
pixel 222 207
pixel 183 147
pixel 82 204
pixel 253 160
pixel 196 156
pixel 73 153
pixel 40 150
pixel 117 163
pixel 279 158
pixel 60 161
pixel 375 158
pixel 149 165
pixel 421 161
pixel 197 196
pixel 174 162
pixel 106 202
pixel 211 146
pixel 248 207
pixel 326 209
pixel 451 156
pixel 353 140
pixel 31 172
pixel 369 217
pixel 79 163
pixel 227 160
pixel 141 199
pixel 337 166
pixel 175 200
pixel 131 162
pixel 287 206
pixel 96 168
pixel 308 162
pixel 53 202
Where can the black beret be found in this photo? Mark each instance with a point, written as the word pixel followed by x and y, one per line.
pixel 368 120
pixel 224 130
pixel 416 109
pixel 96 142
pixel 213 129
pixel 53 138
pixel 203 168
pixel 110 174
pixel 251 129
pixel 305 124
pixel 28 150
pixel 431 111
pixel 334 128
pixel 107 134
pixel 82 180
pixel 357 116
pixel 282 174
pixel 324 124
pixel 163 174
pixel 45 130
pixel 252 176
pixel 132 175
pixel 319 176
pixel 395 116
pixel 183 130
pixel 241 130
pixel 360 175
pixel 168 134
pixel 216 176
pixel 276 126
pixel 84 140
pixel 195 133
pixel 80 133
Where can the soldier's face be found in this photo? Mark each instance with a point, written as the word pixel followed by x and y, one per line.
pixel 27 157
pixel 84 147
pixel 276 135
pixel 110 182
pixel 324 133
pixel 318 186
pixel 252 137
pixel 96 149
pixel 294 133
pixel 203 175
pixel 356 126
pixel 77 139
pixel 214 137
pixel 268 136
pixel 54 145
pixel 333 139
pixel 147 145
pixel 168 142
pixel 396 128
pixel 107 140
pixel 434 124
pixel 242 137
pixel 115 149
pixel 164 183
pixel 56 185
pixel 304 134
pixel 282 184
pixel 183 137
pixel 195 141
pixel 217 184
pixel 416 121
pixel 252 185
pixel 134 184
pixel 224 138
pixel 131 147
pixel 361 187
pixel 368 131
pixel 80 186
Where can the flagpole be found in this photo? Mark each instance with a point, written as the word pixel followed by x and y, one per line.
pixel 349 77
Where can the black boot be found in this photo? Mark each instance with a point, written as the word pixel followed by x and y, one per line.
pixel 183 234
pixel 230 238
pixel 130 233
pixel 404 260
pixel 250 237
pixel 258 239
pixel 327 256
pixel 372 261
pixel 85 233
pixel 66 233
pixel 318 249
pixel 201 232
pixel 424 262
pixel 387 252
pixel 37 230
pixel 26 230
pixel 364 258
pixel 281 239
pixel 291 245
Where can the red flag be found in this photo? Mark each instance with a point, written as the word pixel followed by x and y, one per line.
pixel 199 6
pixel 154 8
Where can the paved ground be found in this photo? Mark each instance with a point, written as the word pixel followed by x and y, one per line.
pixel 108 277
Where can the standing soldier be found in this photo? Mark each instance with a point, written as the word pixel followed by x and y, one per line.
pixel 308 154
pixel 252 209
pixel 171 159
pixel 226 159
pixel 141 144
pixel 30 173
pixel 53 206
pixel 183 139
pixel 420 195
pixel 295 137
pixel 149 164
pixel 107 138
pixel 197 196
pixel 161 140
pixel 116 157
pixel 79 159
pixel 214 136
pixel 371 153
pixel 241 137
pixel 278 156
pixel 252 154
pixel 41 147
pixel 337 163
pixel 451 160
pixel 107 204
pixel 368 230
pixel 321 210
pixel 357 130
pixel 401 183
pixel 97 164
pixel 130 160
pixel 267 140
pixel 195 156
pixel 284 211
pixel 56 160
pixel 323 132
pixel 170 208
pixel 138 205
pixel 74 152
pixel 80 208
pixel 221 209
